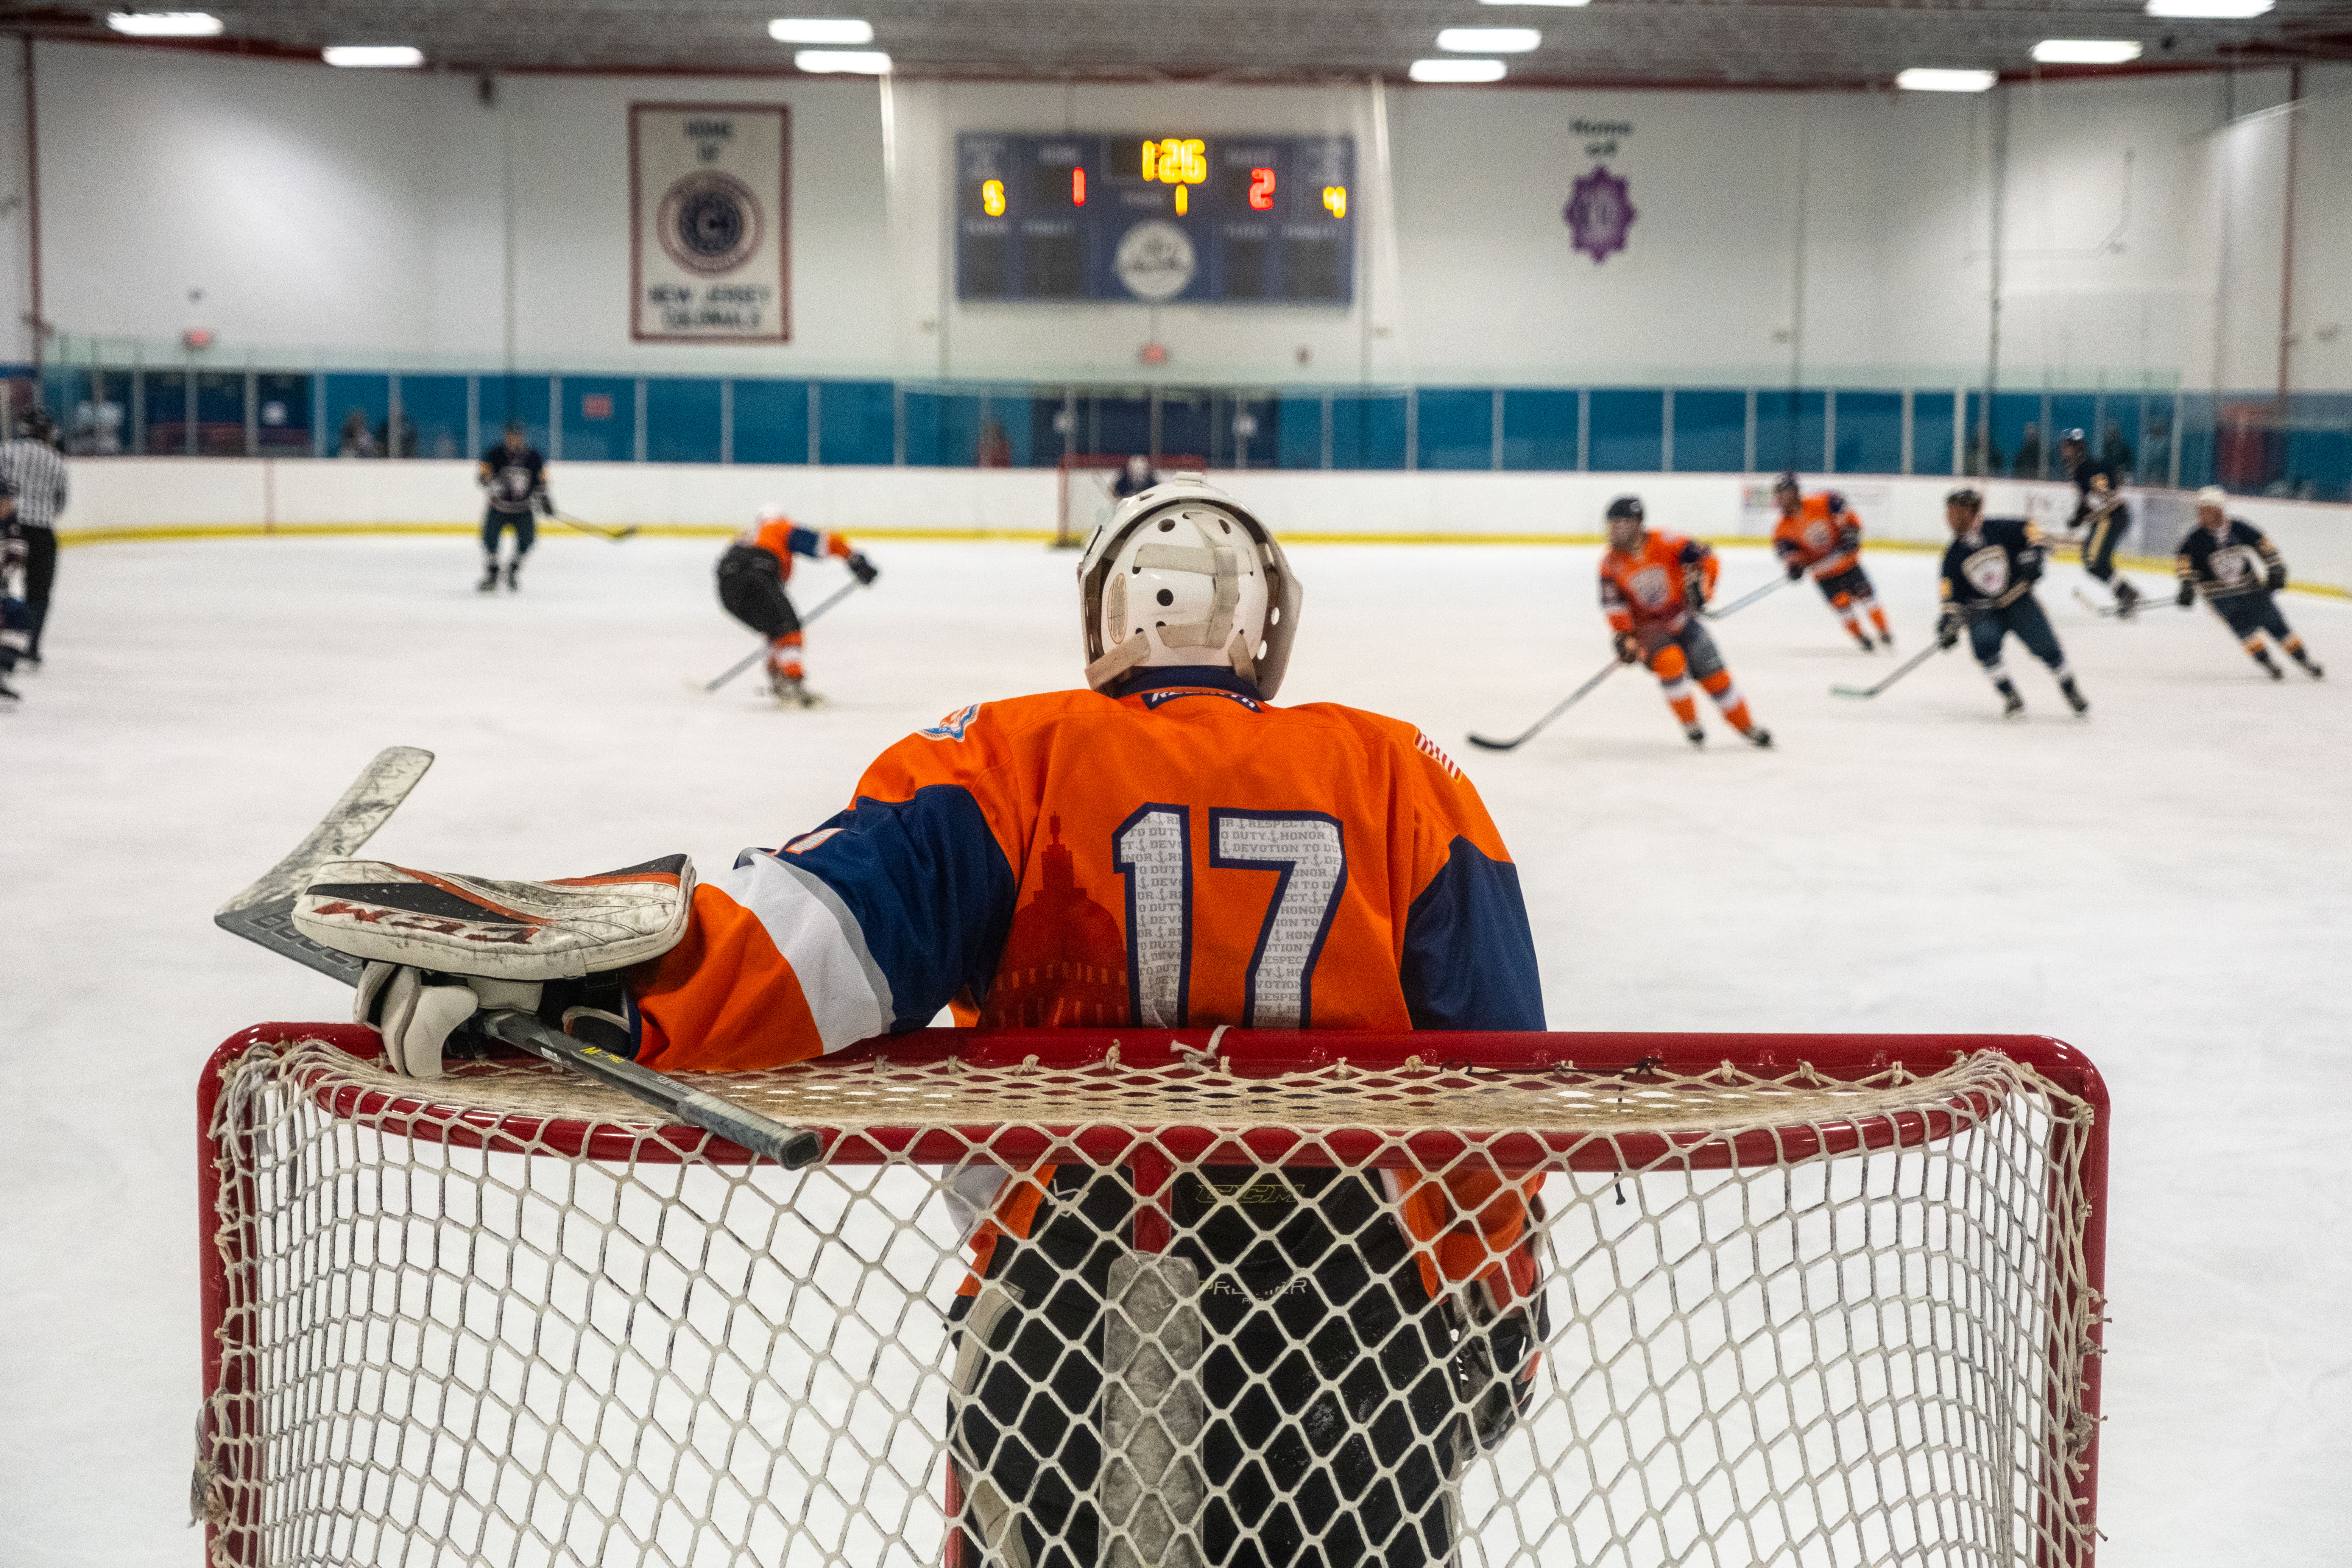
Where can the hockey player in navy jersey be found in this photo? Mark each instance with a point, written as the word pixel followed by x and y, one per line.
pixel 2101 515
pixel 516 476
pixel 1990 570
pixel 2238 569
pixel 1162 848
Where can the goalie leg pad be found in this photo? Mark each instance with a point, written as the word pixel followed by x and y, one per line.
pixel 558 930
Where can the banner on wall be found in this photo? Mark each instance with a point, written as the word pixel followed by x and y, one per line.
pixel 710 223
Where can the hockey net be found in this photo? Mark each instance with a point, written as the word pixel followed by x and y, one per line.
pixel 1082 493
pixel 1250 1299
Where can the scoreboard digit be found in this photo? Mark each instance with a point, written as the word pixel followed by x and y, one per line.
pixel 1159 218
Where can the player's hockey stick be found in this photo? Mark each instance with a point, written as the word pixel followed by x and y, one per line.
pixel 754 657
pixel 264 913
pixel 1568 703
pixel 1745 600
pixel 1906 667
pixel 614 534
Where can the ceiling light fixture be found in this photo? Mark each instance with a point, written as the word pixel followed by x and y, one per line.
pixel 373 56
pixel 2085 51
pixel 1927 78
pixel 821 30
pixel 2210 10
pixel 1457 70
pixel 857 62
pixel 165 23
pixel 1488 40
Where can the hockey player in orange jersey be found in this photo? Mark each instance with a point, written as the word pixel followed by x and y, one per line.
pixel 1165 847
pixel 752 573
pixel 1821 534
pixel 1653 586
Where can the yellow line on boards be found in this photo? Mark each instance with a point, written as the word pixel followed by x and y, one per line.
pixel 69 538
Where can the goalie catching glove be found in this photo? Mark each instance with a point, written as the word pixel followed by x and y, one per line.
pixel 441 948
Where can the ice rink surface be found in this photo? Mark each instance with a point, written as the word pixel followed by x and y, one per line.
pixel 2166 884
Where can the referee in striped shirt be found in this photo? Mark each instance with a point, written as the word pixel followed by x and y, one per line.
pixel 32 466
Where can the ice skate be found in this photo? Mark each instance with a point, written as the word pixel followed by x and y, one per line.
pixel 1863 639
pixel 2311 667
pixel 514 576
pixel 2126 600
pixel 2012 706
pixel 1760 738
pixel 2073 694
pixel 1694 735
pixel 791 691
pixel 8 695
pixel 2270 666
pixel 489 583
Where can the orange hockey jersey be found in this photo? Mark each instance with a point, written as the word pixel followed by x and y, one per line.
pixel 1824 536
pixel 1180 854
pixel 784 538
pixel 1653 588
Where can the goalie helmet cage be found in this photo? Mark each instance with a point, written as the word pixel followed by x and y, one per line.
pixel 1587 1299
pixel 1082 489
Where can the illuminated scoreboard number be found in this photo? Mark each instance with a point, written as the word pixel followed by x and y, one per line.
pixel 1162 218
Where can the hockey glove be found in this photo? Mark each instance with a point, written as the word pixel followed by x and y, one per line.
pixel 862 569
pixel 1947 628
pixel 441 947
pixel 2276 579
pixel 1629 649
pixel 2186 596
pixel 546 504
pixel 1796 568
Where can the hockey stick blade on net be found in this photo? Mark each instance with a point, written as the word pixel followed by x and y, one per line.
pixel 1530 732
pixel 1906 667
pixel 264 913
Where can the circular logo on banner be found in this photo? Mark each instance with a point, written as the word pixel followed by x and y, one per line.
pixel 1156 260
pixel 710 222
pixel 1600 213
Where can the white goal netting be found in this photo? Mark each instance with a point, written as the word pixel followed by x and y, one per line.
pixel 1495 1299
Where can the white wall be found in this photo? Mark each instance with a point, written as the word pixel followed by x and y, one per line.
pixel 205 493
pixel 365 215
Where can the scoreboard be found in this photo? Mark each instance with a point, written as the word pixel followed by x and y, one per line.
pixel 1163 219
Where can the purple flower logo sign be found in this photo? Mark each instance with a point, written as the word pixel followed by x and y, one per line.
pixel 1600 211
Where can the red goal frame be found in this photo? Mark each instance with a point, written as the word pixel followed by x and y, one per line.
pixel 1153 1155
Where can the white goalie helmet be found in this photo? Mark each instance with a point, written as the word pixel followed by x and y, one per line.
pixel 1182 574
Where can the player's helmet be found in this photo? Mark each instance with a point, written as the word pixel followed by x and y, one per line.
pixel 1625 523
pixel 1182 574
pixel 1967 497
pixel 34 425
pixel 1785 483
pixel 2073 438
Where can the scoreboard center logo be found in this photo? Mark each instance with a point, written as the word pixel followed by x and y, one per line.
pixel 1156 260
pixel 710 222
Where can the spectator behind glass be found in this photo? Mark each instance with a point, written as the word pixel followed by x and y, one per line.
pixel 2028 452
pixel 358 441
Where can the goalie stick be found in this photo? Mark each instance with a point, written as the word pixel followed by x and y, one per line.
pixel 1906 667
pixel 1568 703
pixel 264 913
pixel 1745 600
pixel 749 659
pixel 614 534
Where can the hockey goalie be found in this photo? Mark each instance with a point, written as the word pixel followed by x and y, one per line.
pixel 1164 849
